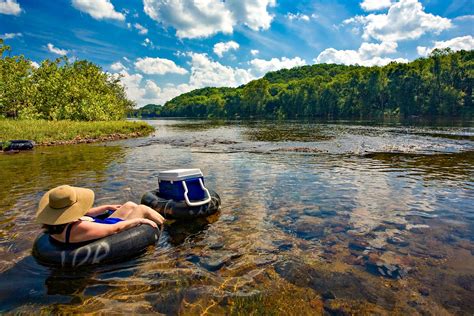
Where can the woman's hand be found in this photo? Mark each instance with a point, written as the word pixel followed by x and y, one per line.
pixel 98 210
pixel 145 221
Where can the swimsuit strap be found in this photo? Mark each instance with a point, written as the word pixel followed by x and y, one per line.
pixel 68 232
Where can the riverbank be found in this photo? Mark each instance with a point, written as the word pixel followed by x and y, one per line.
pixel 71 132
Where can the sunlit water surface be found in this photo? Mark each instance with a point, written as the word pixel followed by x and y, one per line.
pixel 346 217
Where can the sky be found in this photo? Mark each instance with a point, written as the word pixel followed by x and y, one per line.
pixel 163 48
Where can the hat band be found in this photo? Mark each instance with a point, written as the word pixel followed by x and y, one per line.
pixel 58 208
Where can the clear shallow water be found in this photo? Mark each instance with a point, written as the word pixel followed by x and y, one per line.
pixel 315 217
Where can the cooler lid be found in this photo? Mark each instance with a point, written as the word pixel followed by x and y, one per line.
pixel 179 174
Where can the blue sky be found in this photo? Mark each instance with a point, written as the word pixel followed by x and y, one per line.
pixel 166 47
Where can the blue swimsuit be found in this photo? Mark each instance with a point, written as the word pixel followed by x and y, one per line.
pixel 107 220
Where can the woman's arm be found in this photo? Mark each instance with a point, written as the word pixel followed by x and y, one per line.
pixel 101 209
pixel 85 231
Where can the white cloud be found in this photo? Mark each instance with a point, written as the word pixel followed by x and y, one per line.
pixel 56 50
pixel 10 7
pixel 10 35
pixel 118 66
pixel 98 9
pixel 205 72
pixel 261 66
pixel 298 16
pixel 374 5
pixel 208 73
pixel 221 48
pixel 203 18
pixel 158 66
pixel 254 52
pixel 34 64
pixel 252 13
pixel 405 20
pixel 131 82
pixel 368 54
pixel 368 50
pixel 141 29
pixel 456 44
pixel 152 91
pixel 191 19
pixel 464 18
pixel 148 43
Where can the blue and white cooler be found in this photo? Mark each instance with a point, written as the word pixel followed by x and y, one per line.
pixel 183 184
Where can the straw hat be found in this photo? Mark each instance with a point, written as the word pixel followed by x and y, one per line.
pixel 64 204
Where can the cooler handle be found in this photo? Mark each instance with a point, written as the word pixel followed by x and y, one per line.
pixel 199 203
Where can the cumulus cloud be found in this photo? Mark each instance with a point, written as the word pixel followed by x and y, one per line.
pixel 208 73
pixel 152 91
pixel 374 5
pixel 405 20
pixel 98 9
pixel 262 66
pixel 254 52
pixel 190 18
pixel 298 16
pixel 203 18
pixel 204 72
pixel 221 48
pixel 9 7
pixel 158 66
pixel 368 50
pixel 141 91
pixel 118 66
pixel 7 36
pixel 55 50
pixel 252 13
pixel 141 29
pixel 132 82
pixel 456 44
pixel 368 54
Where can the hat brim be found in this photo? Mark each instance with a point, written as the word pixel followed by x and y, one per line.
pixel 53 216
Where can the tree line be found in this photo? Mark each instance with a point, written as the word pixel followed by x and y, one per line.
pixel 440 85
pixel 59 90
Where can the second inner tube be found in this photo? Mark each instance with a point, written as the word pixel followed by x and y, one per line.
pixel 17 145
pixel 179 209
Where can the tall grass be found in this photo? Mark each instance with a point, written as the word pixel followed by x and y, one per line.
pixel 45 132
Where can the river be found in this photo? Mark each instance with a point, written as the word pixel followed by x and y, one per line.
pixel 341 217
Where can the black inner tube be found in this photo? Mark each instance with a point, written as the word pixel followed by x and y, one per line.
pixel 117 247
pixel 171 209
pixel 17 145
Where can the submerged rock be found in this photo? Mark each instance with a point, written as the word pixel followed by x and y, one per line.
pixel 333 284
pixel 358 245
pixel 387 265
pixel 394 240
pixel 317 212
pixel 308 227
pixel 216 261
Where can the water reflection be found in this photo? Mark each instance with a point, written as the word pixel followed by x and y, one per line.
pixel 340 218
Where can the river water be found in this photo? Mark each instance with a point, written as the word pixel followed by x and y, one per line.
pixel 341 217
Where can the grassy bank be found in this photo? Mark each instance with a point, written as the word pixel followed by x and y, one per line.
pixel 70 132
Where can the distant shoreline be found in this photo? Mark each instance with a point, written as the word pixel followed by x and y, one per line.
pixel 51 133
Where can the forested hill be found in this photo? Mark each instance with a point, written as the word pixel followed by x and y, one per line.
pixel 440 85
